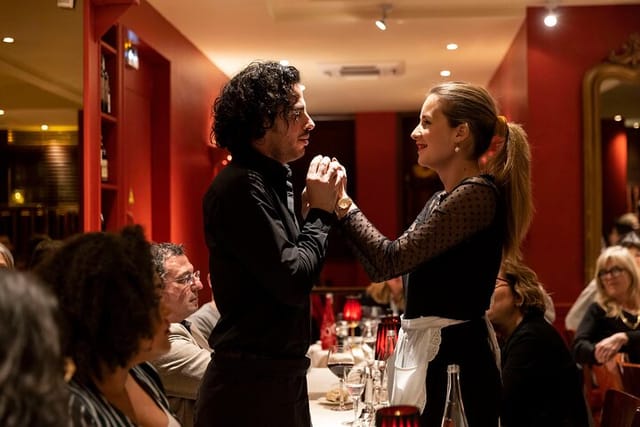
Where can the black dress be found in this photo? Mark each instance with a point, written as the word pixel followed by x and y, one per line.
pixel 451 255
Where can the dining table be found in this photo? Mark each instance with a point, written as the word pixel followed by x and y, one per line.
pixel 319 381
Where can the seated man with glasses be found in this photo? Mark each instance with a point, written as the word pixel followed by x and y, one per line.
pixel 612 323
pixel 182 368
pixel 541 383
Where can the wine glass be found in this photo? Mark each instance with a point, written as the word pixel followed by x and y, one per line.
pixel 355 380
pixel 386 351
pixel 339 360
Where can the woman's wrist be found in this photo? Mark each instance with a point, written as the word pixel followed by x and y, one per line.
pixel 344 205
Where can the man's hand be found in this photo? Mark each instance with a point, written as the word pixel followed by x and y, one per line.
pixel 324 181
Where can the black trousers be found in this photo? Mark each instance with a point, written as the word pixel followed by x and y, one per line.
pixel 237 392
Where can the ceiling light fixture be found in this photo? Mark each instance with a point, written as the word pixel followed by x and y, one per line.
pixel 8 39
pixel 381 23
pixel 452 46
pixel 551 18
pixel 445 73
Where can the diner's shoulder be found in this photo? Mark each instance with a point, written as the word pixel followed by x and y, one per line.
pixel 88 409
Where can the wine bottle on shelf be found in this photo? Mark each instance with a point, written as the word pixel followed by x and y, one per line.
pixel 103 72
pixel 105 89
pixel 104 162
pixel 454 415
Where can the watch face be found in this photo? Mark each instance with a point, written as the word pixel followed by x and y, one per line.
pixel 344 203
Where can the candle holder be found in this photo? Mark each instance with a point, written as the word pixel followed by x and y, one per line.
pixel 387 323
pixel 352 313
pixel 398 416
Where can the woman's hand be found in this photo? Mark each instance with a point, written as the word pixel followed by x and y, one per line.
pixel 607 348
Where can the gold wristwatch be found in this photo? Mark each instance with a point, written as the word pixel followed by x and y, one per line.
pixel 343 205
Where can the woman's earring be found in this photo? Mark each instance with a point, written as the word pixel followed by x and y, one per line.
pixel 457 149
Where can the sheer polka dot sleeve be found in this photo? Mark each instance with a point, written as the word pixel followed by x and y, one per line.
pixel 446 221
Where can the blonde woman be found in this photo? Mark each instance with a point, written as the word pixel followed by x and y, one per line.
pixel 451 253
pixel 611 324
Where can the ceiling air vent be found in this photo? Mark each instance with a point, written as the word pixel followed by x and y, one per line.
pixel 363 71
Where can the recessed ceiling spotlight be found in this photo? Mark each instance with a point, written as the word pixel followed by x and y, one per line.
pixel 445 73
pixel 284 62
pixel 617 118
pixel 452 46
pixel 8 39
pixel 382 22
pixel 1 112
pixel 44 127
pixel 551 18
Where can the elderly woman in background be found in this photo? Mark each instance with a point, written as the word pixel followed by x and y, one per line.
pixel 611 324
pixel 110 303
pixel 32 388
pixel 6 258
pixel 541 383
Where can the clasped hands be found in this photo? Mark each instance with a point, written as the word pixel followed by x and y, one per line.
pixel 326 183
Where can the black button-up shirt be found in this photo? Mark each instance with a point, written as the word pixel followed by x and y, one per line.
pixel 262 264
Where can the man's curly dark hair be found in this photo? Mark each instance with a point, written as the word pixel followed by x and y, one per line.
pixel 109 302
pixel 250 102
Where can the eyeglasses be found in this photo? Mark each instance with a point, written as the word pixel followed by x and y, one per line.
pixel 613 271
pixel 188 279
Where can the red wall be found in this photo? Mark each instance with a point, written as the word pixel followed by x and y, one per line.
pixel 557 59
pixel 378 172
pixel 184 173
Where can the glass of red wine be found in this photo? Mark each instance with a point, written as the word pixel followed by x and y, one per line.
pixel 340 359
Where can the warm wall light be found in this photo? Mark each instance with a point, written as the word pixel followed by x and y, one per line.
pixel 17 197
pixel 617 118
pixel 381 23
pixel 44 127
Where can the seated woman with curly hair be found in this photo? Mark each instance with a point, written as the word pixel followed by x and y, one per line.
pixel 32 388
pixel 112 325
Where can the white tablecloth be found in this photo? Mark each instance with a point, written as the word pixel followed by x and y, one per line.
pixel 319 381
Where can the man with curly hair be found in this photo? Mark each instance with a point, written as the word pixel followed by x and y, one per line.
pixel 263 263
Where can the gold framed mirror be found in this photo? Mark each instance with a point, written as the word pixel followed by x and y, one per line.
pixel 621 68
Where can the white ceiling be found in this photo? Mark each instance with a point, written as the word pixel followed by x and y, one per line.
pixel 42 72
pixel 309 33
